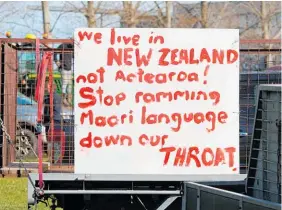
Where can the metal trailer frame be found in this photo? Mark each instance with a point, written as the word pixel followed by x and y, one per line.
pixel 129 185
pixel 157 185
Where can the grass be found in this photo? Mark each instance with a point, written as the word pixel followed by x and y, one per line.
pixel 34 159
pixel 13 194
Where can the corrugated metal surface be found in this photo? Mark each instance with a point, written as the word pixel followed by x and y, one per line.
pixel 264 176
pixel 201 197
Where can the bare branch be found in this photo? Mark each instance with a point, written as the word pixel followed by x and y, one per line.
pixel 249 5
pixel 56 21
pixel 26 26
pixel 220 16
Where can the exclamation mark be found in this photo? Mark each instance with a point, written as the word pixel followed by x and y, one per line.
pixel 206 73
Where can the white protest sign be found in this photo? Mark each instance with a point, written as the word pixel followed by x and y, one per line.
pixel 156 101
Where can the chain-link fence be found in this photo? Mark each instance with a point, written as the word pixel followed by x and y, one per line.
pixel 260 63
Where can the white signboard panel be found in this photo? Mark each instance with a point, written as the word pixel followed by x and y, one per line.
pixel 156 101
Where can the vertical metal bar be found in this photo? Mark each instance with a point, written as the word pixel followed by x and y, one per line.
pixel 184 198
pixel 279 158
pixel 198 198
pixel 2 142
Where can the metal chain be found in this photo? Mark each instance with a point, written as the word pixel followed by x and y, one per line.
pixel 24 139
pixel 37 192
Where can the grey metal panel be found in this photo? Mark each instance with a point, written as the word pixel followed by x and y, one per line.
pixel 216 199
pixel 213 201
pixel 191 199
pixel 251 206
pixel 264 175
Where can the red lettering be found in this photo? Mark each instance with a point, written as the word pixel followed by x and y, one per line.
pixel 173 56
pixel 97 36
pixel 113 56
pixel 120 75
pixel 126 40
pixel 100 121
pixel 148 98
pixel 142 138
pixel 111 140
pixel 112 121
pixel 101 71
pixel 204 156
pixel 97 142
pixel 162 61
pixel 181 76
pixel 193 77
pixel 222 116
pixel 92 78
pixel 85 115
pixel 82 93
pixel 108 100
pixel 155 140
pixel 184 56
pixel 100 92
pixel 167 151
pixel 204 55
pixel 192 61
pixel 230 151
pixel 149 78
pixel 125 138
pixel 217 56
pixel 219 157
pixel 143 60
pixel 113 34
pixel 176 117
pixel 143 116
pixel 135 40
pixel 161 78
pixel 81 77
pixel 199 117
pixel 230 53
pixel 127 56
pixel 119 98
pixel 82 35
pixel 193 156
pixel 211 117
pixel 159 38
pixel 214 95
pixel 180 157
pixel 87 141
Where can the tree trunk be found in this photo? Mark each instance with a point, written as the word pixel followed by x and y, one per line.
pixel 204 14
pixel 90 15
pixel 128 16
pixel 46 18
pixel 265 31
pixel 264 21
pixel 168 13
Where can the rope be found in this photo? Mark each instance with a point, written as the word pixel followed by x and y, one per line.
pixel 39 119
pixel 51 98
pixel 39 97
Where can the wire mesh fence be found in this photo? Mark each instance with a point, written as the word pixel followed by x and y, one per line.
pixel 260 63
